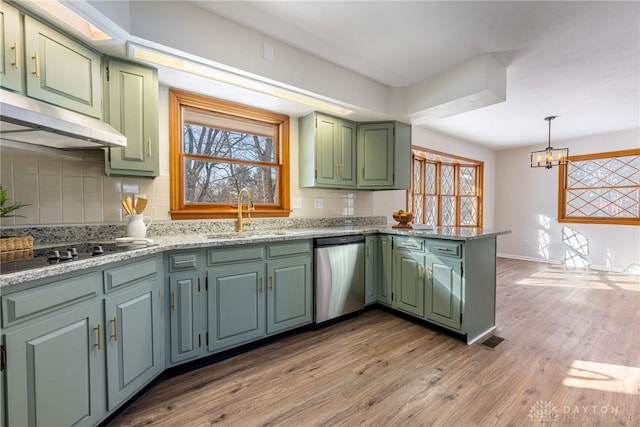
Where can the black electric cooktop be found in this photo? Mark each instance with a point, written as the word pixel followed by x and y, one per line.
pixel 46 256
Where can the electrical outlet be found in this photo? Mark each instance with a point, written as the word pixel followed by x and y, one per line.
pixel 317 203
pixel 296 203
pixel 527 243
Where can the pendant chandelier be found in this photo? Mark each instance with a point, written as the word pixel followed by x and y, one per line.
pixel 550 156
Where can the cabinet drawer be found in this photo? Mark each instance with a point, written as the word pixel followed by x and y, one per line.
pixel 235 254
pixel 445 248
pixel 44 299
pixel 409 243
pixel 128 274
pixel 289 248
pixel 183 262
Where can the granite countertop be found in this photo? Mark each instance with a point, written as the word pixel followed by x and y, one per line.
pixel 217 239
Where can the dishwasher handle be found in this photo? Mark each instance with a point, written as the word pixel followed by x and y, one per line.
pixel 338 240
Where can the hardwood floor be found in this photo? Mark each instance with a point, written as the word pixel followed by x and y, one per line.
pixel 570 355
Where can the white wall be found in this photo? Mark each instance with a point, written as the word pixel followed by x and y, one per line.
pixel 527 204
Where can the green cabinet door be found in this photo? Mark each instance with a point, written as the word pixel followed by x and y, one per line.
pixel 236 304
pixel 11 53
pixel 289 299
pixel 444 290
pixel 372 269
pixel 185 318
pixel 55 370
pixel 385 284
pixel 409 279
pixel 132 108
pixel 327 148
pixel 61 71
pixel 132 332
pixel 375 155
pixel 384 155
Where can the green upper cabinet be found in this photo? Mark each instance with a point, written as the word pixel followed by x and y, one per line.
pixel 10 49
pixel 327 152
pixel 132 108
pixel 337 153
pixel 384 155
pixel 61 71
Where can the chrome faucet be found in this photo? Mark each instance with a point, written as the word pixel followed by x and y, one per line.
pixel 250 208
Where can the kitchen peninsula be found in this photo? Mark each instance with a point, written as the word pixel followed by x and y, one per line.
pixel 160 306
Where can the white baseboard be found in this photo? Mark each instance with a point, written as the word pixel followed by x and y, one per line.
pixel 528 258
pixel 558 262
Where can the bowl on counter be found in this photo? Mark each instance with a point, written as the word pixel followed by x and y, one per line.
pixel 403 220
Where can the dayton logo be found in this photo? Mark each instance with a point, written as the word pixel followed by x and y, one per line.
pixel 543 411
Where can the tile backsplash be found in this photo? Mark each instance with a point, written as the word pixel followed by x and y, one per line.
pixel 73 189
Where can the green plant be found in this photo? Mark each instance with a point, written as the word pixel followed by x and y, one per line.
pixel 6 210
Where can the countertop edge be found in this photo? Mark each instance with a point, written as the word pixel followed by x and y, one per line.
pixel 197 241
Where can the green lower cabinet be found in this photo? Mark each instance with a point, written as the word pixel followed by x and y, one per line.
pixel 132 340
pixel 409 279
pixel 444 291
pixel 186 317
pixel 289 293
pixel 385 284
pixel 55 373
pixel 371 269
pixel 236 304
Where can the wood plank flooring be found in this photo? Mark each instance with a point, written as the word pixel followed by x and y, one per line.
pixel 570 357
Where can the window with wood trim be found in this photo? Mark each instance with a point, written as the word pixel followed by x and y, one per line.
pixel 602 188
pixel 217 148
pixel 446 190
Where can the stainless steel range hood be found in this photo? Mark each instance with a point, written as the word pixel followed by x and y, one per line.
pixel 26 120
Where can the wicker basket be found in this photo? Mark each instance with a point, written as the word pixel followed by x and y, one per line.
pixel 8 244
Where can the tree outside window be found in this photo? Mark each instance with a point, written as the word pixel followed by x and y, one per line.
pixel 218 148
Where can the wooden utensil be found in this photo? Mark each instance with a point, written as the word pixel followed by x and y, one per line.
pixel 129 205
pixel 141 204
pixel 126 207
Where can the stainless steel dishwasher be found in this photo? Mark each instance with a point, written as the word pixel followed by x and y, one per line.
pixel 339 276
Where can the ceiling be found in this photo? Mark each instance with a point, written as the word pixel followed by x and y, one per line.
pixel 576 60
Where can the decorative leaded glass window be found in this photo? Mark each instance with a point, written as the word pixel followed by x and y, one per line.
pixel 601 188
pixel 445 190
